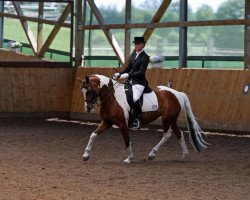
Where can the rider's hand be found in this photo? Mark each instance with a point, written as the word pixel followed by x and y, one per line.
pixel 116 76
pixel 124 76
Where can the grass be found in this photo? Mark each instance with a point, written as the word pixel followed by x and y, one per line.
pixel 14 31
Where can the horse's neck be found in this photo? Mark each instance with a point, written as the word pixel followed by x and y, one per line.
pixel 120 95
pixel 118 87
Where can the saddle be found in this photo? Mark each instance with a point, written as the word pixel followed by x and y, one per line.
pixel 148 99
pixel 129 93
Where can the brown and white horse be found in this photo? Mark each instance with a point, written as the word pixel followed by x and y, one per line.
pixel 114 110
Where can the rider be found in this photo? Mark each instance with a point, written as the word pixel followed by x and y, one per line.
pixel 135 73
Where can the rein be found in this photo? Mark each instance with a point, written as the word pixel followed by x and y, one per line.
pixel 95 105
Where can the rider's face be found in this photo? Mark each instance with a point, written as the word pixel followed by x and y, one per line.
pixel 139 46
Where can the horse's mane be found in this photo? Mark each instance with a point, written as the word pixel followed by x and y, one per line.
pixel 104 80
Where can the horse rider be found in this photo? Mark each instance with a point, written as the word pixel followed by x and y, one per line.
pixel 135 74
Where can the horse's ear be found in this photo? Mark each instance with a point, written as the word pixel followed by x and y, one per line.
pixel 110 83
pixel 111 86
pixel 87 79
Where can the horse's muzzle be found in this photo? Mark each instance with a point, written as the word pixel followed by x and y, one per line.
pixel 88 109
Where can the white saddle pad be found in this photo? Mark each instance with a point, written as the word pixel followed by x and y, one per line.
pixel 150 102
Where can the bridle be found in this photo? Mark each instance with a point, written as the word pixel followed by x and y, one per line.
pixel 93 96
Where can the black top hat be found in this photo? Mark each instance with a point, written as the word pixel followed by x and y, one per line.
pixel 139 40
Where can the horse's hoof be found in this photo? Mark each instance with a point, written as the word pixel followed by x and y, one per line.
pixel 184 156
pixel 85 158
pixel 151 157
pixel 127 161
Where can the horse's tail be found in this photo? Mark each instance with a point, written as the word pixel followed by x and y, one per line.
pixel 195 131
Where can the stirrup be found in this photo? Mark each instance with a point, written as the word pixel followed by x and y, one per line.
pixel 136 124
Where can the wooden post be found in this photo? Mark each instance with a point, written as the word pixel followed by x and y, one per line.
pixel 90 37
pixel 183 35
pixel 247 37
pixel 79 33
pixel 83 33
pixel 1 23
pixel 127 44
pixel 40 26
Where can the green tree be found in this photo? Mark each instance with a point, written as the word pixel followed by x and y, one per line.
pixel 232 36
pixel 201 34
pixel 205 12
pixel 231 9
pixel 150 5
pixel 112 16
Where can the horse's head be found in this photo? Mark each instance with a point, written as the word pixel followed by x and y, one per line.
pixel 90 88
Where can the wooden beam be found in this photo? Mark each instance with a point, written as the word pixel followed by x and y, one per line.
pixel 26 27
pixel 168 24
pixel 32 19
pixel 157 17
pixel 107 32
pixel 218 22
pixel 55 30
pixel 127 44
pixel 247 37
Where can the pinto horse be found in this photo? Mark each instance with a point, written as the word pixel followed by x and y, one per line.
pixel 114 110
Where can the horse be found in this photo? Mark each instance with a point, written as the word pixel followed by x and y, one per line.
pixel 109 95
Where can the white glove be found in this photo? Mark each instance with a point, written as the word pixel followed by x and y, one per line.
pixel 124 76
pixel 116 76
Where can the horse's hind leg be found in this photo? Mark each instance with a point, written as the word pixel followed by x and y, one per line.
pixel 166 136
pixel 179 135
pixel 102 127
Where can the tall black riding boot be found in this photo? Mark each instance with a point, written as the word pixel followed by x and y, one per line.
pixel 137 112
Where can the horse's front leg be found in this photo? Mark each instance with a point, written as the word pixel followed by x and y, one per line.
pixel 130 157
pixel 101 128
pixel 125 133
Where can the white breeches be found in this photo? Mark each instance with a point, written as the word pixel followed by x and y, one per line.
pixel 137 91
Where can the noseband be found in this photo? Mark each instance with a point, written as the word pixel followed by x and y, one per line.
pixel 94 95
pixel 91 93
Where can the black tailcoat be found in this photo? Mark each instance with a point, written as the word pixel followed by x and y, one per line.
pixel 136 68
